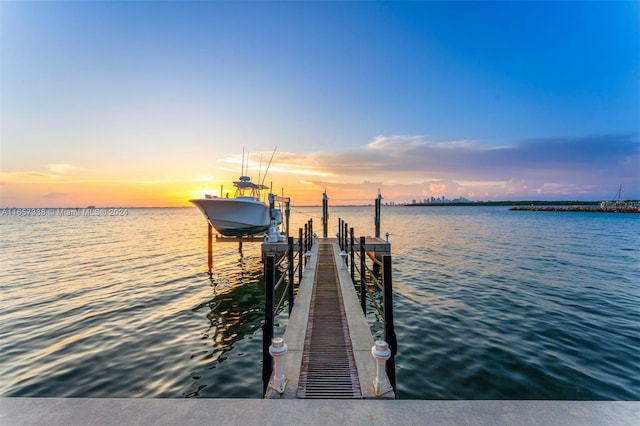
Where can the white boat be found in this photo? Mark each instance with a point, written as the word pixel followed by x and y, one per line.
pixel 244 214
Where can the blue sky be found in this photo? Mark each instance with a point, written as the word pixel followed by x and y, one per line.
pixel 487 100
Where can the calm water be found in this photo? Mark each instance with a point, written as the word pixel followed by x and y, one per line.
pixel 489 304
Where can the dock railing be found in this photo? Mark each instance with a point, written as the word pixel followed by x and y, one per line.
pixel 355 257
pixel 293 260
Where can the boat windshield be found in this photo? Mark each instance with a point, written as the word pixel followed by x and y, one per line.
pixel 247 189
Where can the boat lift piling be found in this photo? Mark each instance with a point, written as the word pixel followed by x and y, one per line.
pixel 376 219
pixel 325 214
pixel 210 245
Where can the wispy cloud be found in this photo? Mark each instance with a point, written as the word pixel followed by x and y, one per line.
pixel 603 155
pixel 54 195
pixel 202 179
pixel 558 167
pixel 62 169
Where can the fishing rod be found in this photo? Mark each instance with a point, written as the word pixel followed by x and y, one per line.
pixel 266 171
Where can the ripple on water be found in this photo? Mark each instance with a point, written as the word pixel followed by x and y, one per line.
pixel 489 304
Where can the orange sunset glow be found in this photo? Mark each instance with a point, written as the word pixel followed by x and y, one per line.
pixel 101 105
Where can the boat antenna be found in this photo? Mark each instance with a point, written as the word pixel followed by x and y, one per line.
pixel 242 166
pixel 265 172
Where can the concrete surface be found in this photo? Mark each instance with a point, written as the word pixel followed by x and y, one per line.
pixel 119 412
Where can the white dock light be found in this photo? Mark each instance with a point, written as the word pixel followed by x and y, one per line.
pixel 277 350
pixel 308 255
pixel 381 353
pixel 343 255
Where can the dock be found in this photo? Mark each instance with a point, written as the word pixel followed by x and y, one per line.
pixel 329 343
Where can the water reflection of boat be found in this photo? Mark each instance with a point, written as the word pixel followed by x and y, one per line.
pixel 230 321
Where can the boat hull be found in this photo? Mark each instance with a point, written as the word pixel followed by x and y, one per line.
pixel 234 217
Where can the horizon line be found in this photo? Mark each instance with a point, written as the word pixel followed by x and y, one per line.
pixel 394 204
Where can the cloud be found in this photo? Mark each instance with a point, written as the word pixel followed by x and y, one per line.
pixel 61 168
pixel 603 154
pixel 54 195
pixel 202 179
pixel 397 157
pixel 551 167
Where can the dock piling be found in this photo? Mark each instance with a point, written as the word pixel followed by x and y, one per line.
pixel 290 270
pixel 325 215
pixel 287 213
pixel 300 255
pixel 363 282
pixel 389 330
pixel 306 244
pixel 210 245
pixel 377 215
pixel 267 328
pixel 351 250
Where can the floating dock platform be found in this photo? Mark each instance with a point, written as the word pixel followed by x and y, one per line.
pixel 373 246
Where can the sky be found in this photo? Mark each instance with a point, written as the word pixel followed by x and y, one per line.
pixel 151 103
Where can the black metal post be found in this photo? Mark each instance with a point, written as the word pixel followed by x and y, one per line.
pixel 300 255
pixel 310 233
pixel 290 262
pixel 389 331
pixel 377 215
pixel 210 245
pixel 340 233
pixel 353 277
pixel 306 241
pixel 363 283
pixel 344 235
pixel 344 244
pixel 267 328
pixel 325 215
pixel 287 213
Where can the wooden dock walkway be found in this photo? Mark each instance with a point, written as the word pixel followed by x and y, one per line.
pixel 328 338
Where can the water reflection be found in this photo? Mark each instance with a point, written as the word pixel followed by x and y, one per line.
pixel 234 314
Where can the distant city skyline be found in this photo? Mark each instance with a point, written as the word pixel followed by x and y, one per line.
pixel 151 103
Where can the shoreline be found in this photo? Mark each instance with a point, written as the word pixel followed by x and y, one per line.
pixel 621 209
